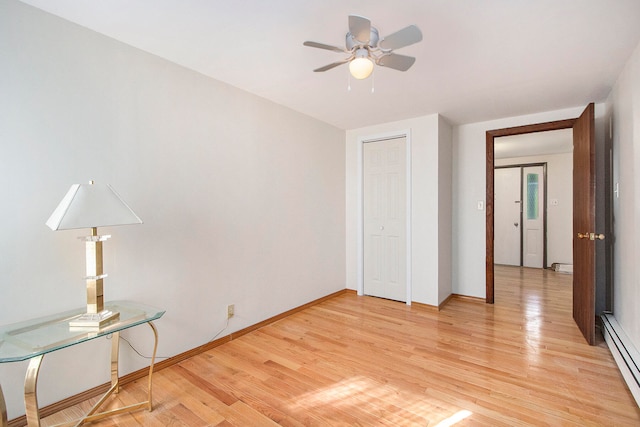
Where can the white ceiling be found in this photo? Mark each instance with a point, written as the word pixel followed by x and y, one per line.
pixel 479 60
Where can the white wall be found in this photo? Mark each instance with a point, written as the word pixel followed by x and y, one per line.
pixel 445 219
pixel 243 200
pixel 624 105
pixel 560 216
pixel 430 155
pixel 469 186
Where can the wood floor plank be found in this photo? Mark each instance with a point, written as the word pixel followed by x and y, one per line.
pixel 352 361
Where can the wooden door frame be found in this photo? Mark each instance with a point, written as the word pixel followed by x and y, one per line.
pixel 490 137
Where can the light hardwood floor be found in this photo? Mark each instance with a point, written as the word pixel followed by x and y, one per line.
pixel 365 361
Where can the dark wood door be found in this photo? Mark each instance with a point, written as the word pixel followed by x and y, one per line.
pixel 584 200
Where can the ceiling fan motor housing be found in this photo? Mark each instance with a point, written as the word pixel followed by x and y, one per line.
pixel 352 42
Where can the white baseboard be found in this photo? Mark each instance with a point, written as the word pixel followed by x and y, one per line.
pixel 624 353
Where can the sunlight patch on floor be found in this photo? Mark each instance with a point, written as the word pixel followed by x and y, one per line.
pixel 364 394
pixel 454 419
pixel 337 394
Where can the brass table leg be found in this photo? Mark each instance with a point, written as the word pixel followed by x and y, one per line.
pixel 153 360
pixel 92 415
pixel 3 410
pixel 115 351
pixel 30 396
pixel 31 383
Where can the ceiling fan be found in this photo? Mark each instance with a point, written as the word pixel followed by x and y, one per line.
pixel 364 47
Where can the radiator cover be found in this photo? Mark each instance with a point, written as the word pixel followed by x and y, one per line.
pixel 624 353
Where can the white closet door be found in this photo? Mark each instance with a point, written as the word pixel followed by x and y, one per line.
pixel 385 219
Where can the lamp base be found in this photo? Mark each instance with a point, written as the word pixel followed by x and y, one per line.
pixel 94 320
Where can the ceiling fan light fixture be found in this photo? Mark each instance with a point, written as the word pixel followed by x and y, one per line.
pixel 361 66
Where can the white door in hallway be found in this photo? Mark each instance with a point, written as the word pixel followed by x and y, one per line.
pixel 507 216
pixel 533 216
pixel 385 201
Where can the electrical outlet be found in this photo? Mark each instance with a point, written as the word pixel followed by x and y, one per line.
pixel 231 308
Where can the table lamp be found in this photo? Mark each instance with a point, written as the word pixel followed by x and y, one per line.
pixel 91 206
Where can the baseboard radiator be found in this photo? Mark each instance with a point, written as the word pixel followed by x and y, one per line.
pixel 624 352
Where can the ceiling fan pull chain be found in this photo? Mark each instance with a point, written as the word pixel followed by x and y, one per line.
pixel 348 82
pixel 373 82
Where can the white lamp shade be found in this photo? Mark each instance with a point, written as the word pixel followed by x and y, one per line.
pixel 91 205
pixel 361 67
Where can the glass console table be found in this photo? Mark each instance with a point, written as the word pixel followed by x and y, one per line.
pixel 32 339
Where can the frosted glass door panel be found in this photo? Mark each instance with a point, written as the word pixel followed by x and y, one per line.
pixel 533 222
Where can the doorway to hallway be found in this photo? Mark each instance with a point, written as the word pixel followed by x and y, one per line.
pixel 584 207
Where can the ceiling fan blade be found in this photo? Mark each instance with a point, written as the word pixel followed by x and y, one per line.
pixel 360 28
pixel 323 46
pixel 405 37
pixel 395 61
pixel 330 66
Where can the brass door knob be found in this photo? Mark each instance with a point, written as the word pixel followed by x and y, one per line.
pixel 591 236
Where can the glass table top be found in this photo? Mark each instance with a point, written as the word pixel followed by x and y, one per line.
pixel 25 340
